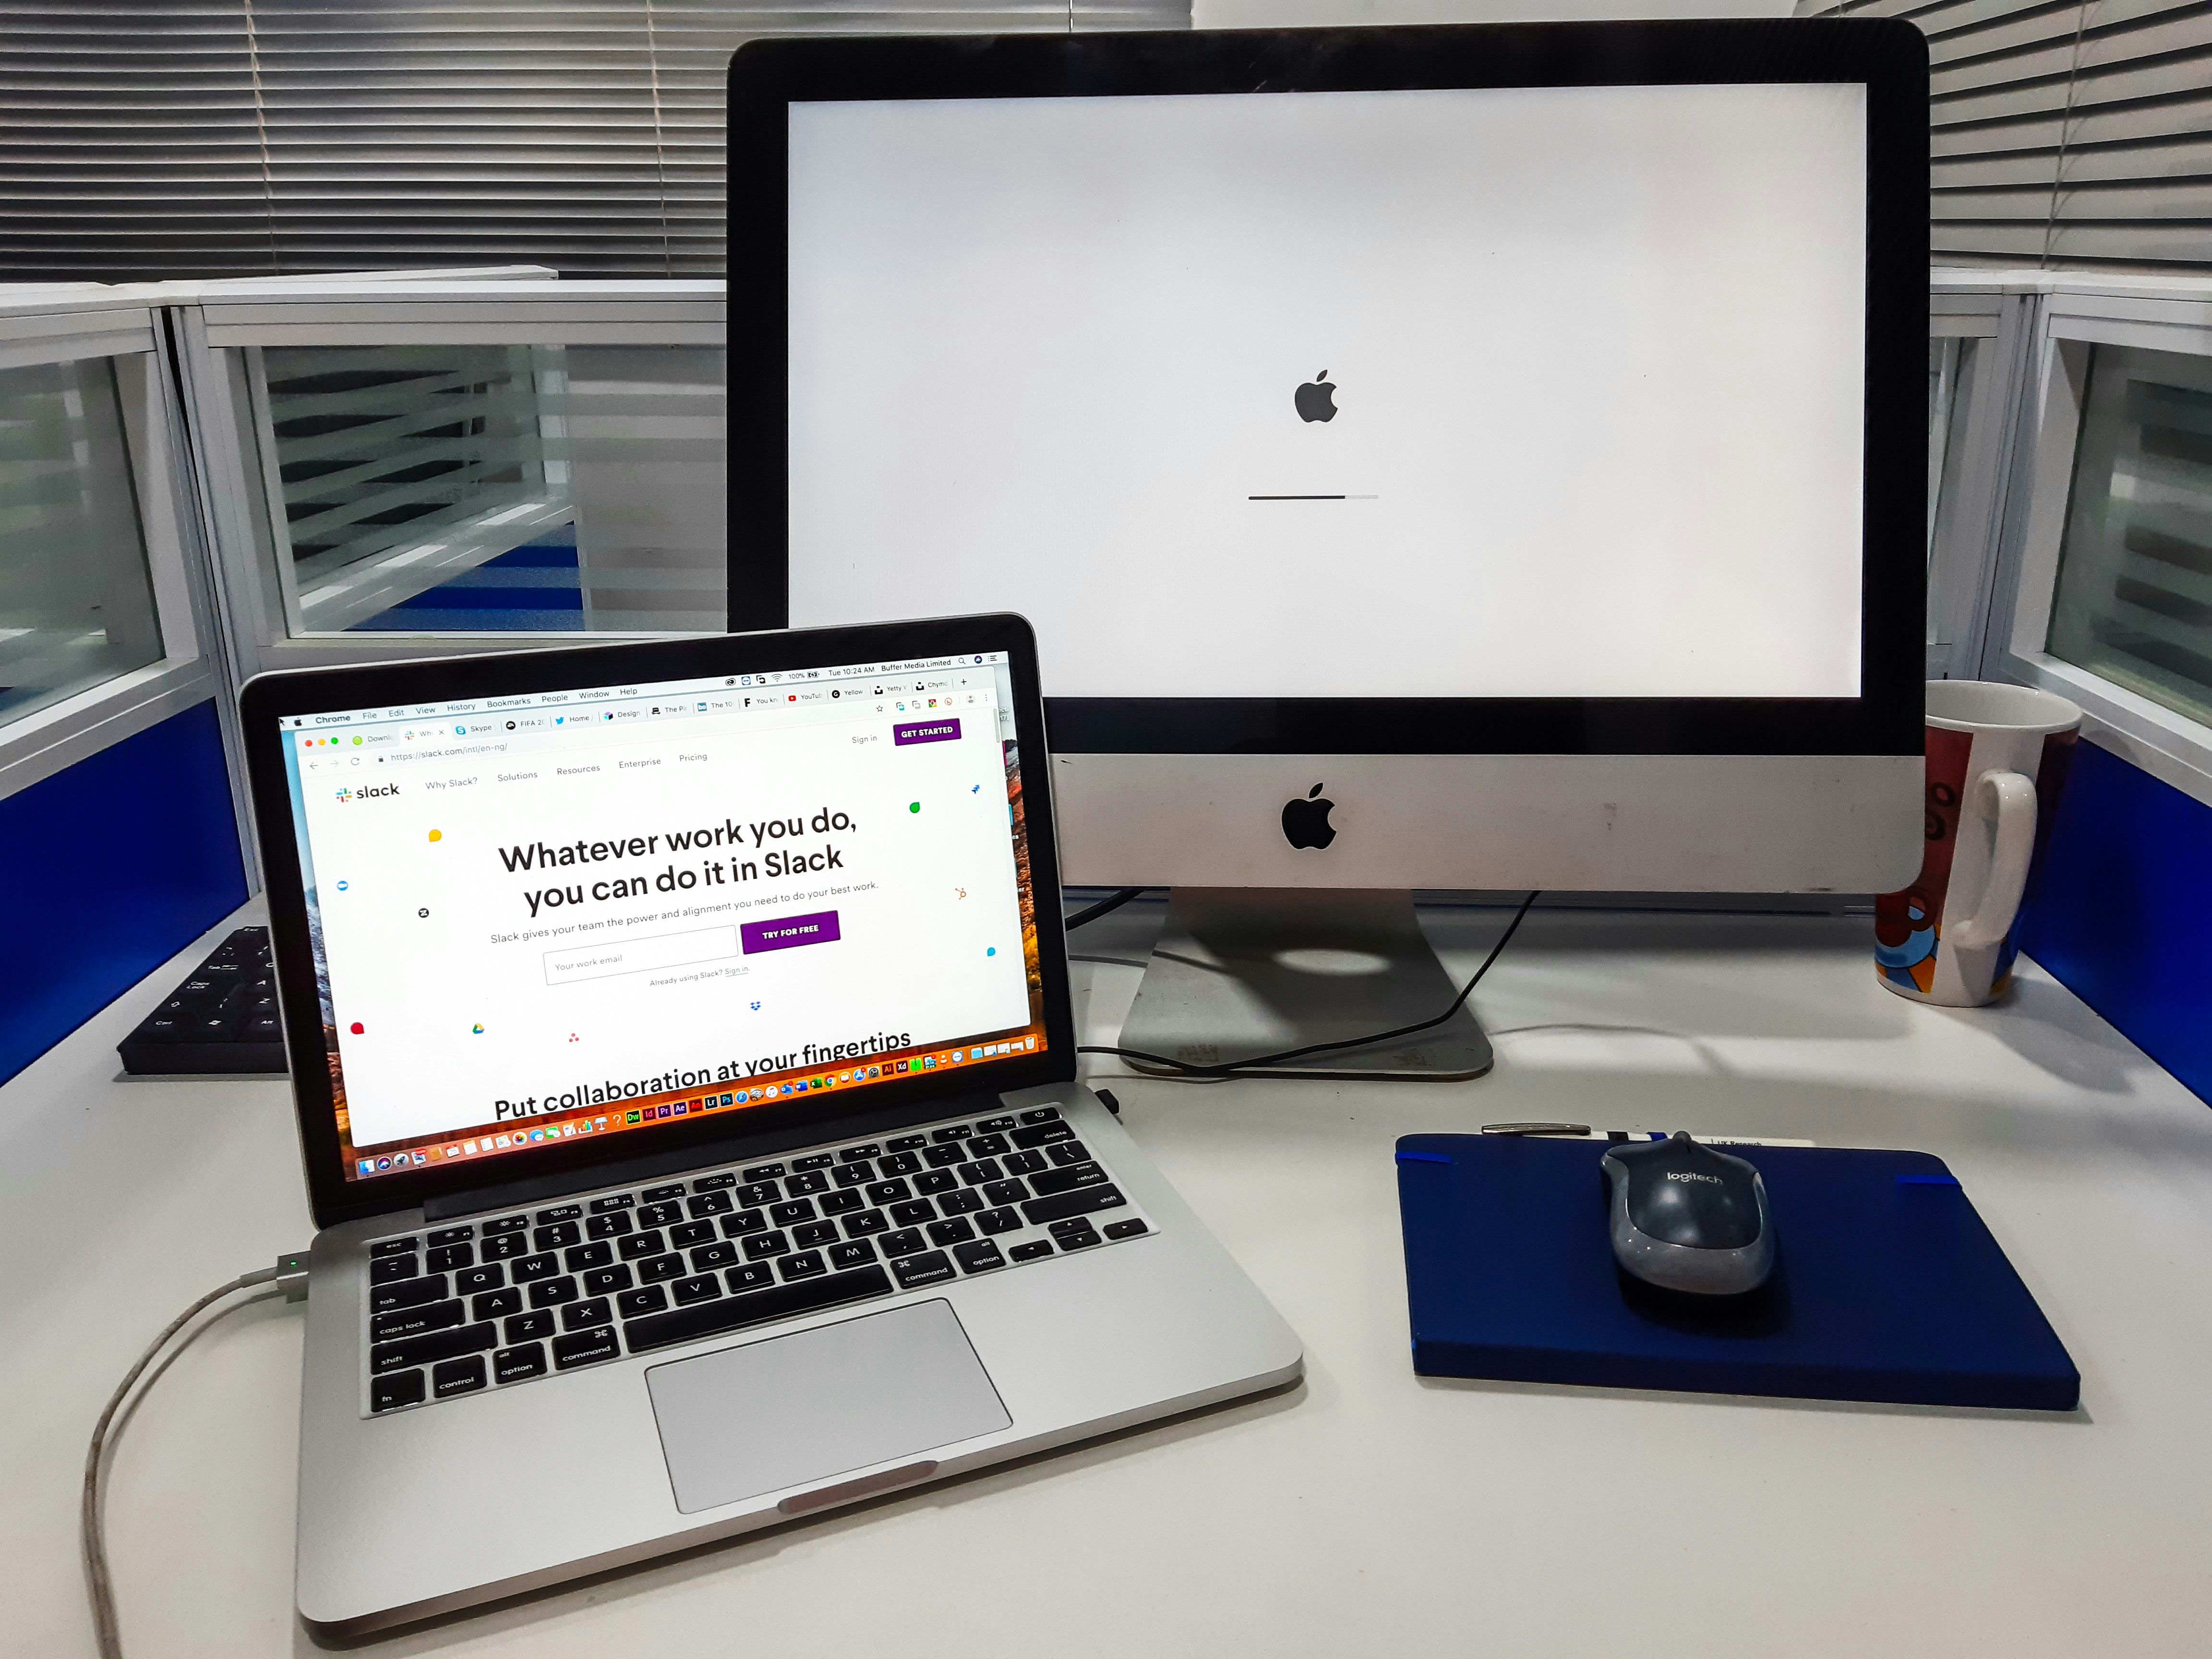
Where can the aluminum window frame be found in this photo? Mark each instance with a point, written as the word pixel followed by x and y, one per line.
pixel 125 326
pixel 1968 514
pixel 2072 315
pixel 357 313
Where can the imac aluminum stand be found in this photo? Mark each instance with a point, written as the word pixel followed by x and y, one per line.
pixel 1244 971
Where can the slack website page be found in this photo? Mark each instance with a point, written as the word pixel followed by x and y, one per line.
pixel 585 912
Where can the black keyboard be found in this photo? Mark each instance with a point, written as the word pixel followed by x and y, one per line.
pixel 471 1305
pixel 222 1018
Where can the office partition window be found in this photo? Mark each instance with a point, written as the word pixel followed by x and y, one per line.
pixel 411 467
pixel 2134 598
pixel 2104 589
pixel 105 614
pixel 488 487
pixel 1975 328
pixel 77 600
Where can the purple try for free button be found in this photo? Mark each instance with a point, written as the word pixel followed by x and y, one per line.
pixel 926 732
pixel 818 928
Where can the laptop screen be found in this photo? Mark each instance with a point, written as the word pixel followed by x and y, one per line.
pixel 593 912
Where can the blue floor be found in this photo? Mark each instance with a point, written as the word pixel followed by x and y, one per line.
pixel 534 589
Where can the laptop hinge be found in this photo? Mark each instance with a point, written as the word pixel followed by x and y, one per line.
pixel 630 1172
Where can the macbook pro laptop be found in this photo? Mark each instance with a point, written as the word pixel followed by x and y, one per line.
pixel 686 1079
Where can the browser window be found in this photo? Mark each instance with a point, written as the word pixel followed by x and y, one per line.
pixel 585 912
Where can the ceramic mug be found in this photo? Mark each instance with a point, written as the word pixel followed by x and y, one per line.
pixel 1997 758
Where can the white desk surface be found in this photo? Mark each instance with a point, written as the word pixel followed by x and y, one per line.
pixel 1364 1511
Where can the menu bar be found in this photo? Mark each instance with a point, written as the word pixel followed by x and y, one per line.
pixel 672 696
pixel 917 716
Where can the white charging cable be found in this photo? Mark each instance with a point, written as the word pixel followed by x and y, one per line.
pixel 290 1273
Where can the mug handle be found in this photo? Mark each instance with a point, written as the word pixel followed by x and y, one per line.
pixel 2009 798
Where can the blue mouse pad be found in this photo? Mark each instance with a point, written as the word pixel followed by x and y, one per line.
pixel 1886 1285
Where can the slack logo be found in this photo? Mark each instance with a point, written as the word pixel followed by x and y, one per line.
pixel 371 789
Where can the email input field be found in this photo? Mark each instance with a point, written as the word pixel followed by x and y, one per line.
pixel 638 955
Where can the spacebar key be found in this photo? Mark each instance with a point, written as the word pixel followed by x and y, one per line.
pixel 731 1312
pixel 1082 1201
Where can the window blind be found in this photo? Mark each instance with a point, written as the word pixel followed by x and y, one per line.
pixel 152 138
pixel 2071 134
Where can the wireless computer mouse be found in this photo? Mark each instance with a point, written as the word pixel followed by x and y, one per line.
pixel 1686 1218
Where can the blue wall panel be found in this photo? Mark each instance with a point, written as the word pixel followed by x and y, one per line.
pixel 107 869
pixel 2121 909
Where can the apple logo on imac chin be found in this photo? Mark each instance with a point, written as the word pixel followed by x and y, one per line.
pixel 1317 398
pixel 1305 820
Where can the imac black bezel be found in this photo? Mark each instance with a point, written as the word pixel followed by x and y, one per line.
pixel 1888 56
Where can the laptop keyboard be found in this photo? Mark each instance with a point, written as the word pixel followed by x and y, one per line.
pixel 472 1305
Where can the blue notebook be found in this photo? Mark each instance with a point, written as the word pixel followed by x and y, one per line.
pixel 1887 1285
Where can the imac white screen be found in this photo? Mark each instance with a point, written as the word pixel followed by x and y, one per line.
pixel 1595 357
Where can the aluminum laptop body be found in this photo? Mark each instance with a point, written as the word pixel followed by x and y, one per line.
pixel 685 1073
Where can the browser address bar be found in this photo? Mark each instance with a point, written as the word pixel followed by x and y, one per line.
pixel 451 751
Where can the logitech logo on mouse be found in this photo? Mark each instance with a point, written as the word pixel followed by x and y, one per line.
pixel 1692 1175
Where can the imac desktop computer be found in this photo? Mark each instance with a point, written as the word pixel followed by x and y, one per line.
pixel 1460 458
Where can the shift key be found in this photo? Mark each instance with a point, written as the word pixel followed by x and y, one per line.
pixel 430 1348
pixel 1082 1201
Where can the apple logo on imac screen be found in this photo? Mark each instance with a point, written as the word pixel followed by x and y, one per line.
pixel 1305 820
pixel 1317 398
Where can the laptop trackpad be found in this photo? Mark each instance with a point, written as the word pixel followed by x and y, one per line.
pixel 797 1409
